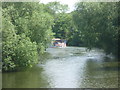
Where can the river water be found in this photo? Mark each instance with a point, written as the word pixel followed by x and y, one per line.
pixel 70 67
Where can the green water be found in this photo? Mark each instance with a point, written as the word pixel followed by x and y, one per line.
pixel 70 67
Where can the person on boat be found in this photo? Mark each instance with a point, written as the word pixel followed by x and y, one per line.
pixel 55 43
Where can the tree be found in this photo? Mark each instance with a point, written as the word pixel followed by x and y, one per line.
pixel 56 7
pixel 97 24
pixel 27 30
pixel 64 28
pixel 17 51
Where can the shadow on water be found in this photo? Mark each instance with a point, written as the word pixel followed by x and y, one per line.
pixel 109 68
pixel 107 64
pixel 99 74
pixel 110 64
pixel 29 78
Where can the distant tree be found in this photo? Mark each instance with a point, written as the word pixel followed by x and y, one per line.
pixel 56 7
pixel 64 28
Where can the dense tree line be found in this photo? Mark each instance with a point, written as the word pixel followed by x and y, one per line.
pixel 97 24
pixel 91 24
pixel 64 26
pixel 29 27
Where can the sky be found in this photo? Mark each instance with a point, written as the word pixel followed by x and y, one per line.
pixel 70 3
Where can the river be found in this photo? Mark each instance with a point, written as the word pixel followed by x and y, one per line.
pixel 70 67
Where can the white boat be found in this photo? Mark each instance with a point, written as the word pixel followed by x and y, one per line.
pixel 56 42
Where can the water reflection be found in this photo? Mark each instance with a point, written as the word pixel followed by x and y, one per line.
pixel 79 69
pixel 31 78
pixel 97 77
pixel 70 67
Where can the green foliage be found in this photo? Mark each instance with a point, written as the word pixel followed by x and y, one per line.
pixel 56 7
pixel 29 27
pixel 8 38
pixel 63 26
pixel 17 51
pixel 97 25
pixel 40 28
pixel 27 30
pixel 26 54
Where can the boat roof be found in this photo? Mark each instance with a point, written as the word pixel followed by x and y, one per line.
pixel 56 39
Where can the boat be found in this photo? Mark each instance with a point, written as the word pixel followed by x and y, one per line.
pixel 57 42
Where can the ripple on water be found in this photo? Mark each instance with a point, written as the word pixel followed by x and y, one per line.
pixel 65 72
pixel 68 70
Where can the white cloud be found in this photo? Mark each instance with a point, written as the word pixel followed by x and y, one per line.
pixel 70 3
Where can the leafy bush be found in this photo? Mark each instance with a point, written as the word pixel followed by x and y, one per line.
pixel 8 38
pixel 17 51
pixel 25 52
